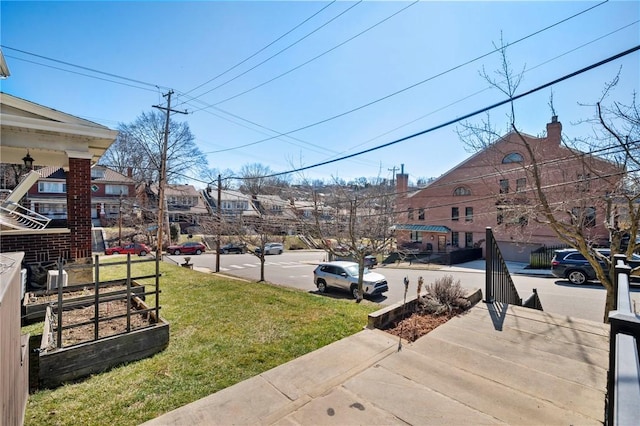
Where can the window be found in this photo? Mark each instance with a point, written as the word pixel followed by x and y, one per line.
pixel 416 236
pixel 585 217
pixel 468 214
pixel 504 186
pixel 410 212
pixel 420 214
pixel 461 190
pixel 521 184
pixel 500 216
pixel 468 239
pixel 116 189
pixel 455 239
pixel 513 157
pixel 97 173
pixel 52 187
pixel 455 213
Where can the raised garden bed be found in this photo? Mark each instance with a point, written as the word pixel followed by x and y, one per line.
pixel 34 305
pixel 81 356
pixel 401 319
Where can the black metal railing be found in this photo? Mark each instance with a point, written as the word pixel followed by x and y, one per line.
pixel 541 258
pixel 499 286
pixel 623 380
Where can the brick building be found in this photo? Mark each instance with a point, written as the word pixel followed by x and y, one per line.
pixel 53 138
pixel 495 188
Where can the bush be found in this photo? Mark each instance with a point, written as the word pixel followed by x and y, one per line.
pixel 444 296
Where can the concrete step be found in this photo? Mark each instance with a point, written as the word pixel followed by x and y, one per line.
pixel 540 383
pixel 547 317
pixel 486 396
pixel 548 330
pixel 584 366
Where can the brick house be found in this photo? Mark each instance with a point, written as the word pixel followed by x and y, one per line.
pixel 53 138
pixel 494 188
pixel 185 205
pixel 111 192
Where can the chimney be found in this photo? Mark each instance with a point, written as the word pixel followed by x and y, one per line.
pixel 402 184
pixel 130 172
pixel 554 131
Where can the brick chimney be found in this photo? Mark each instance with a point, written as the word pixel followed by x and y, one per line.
pixel 402 184
pixel 130 172
pixel 554 131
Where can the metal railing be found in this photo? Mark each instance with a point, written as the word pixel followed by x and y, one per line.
pixel 623 380
pixel 499 286
pixel 541 258
pixel 16 216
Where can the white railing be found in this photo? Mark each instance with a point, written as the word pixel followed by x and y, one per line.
pixel 19 217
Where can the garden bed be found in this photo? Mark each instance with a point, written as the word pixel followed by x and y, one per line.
pixel 81 355
pixel 35 303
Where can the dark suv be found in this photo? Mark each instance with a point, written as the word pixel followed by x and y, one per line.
pixel 572 265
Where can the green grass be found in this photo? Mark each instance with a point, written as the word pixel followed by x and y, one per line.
pixel 222 332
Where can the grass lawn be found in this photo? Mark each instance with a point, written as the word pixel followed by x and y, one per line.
pixel 223 331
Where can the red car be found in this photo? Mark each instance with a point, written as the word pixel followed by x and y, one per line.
pixel 191 247
pixel 133 248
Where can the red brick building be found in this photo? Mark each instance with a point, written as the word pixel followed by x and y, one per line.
pixel 495 188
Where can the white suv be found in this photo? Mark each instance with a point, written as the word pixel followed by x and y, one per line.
pixel 344 275
pixel 272 248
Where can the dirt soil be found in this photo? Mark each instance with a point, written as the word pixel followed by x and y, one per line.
pixel 417 325
pixel 87 291
pixel 85 333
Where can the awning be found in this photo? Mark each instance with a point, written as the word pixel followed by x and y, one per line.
pixel 422 228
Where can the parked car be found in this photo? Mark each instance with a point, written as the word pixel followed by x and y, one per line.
pixel 344 275
pixel 191 247
pixel 572 265
pixel 133 248
pixel 271 248
pixel 239 248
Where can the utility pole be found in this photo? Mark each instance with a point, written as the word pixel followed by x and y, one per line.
pixel 219 213
pixel 393 175
pixel 163 173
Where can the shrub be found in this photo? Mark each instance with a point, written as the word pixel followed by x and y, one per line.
pixel 444 296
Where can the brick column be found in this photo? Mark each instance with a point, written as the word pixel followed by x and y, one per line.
pixel 79 206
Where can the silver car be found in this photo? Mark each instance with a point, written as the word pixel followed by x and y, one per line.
pixel 344 275
pixel 271 248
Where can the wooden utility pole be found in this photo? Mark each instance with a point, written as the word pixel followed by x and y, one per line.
pixel 219 212
pixel 163 174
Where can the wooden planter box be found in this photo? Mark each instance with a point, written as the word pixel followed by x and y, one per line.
pixel 35 311
pixel 60 365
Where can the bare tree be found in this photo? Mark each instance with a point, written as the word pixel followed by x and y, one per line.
pixel 353 223
pixel 590 175
pixel 258 179
pixel 139 146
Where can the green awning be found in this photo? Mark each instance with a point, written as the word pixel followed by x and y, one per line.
pixel 422 228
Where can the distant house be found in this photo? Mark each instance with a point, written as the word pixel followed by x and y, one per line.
pixel 111 192
pixel 493 189
pixel 185 206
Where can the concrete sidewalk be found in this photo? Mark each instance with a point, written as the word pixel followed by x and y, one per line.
pixel 497 364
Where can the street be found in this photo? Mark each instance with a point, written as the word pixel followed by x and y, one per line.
pixel 295 269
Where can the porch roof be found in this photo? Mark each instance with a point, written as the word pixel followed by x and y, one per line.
pixel 441 229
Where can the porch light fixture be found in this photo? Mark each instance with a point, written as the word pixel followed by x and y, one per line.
pixel 28 161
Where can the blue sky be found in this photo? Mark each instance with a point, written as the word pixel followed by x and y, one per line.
pixel 182 45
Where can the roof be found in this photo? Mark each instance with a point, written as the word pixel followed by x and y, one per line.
pixel 423 228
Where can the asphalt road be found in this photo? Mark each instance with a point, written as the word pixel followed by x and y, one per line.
pixel 295 269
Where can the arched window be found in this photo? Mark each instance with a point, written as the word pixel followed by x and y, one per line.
pixel 513 157
pixel 461 190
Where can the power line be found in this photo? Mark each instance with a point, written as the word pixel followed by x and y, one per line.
pixel 261 50
pixel 316 123
pixel 468 115
pixel 144 83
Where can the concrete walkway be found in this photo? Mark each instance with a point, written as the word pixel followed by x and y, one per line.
pixel 495 365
